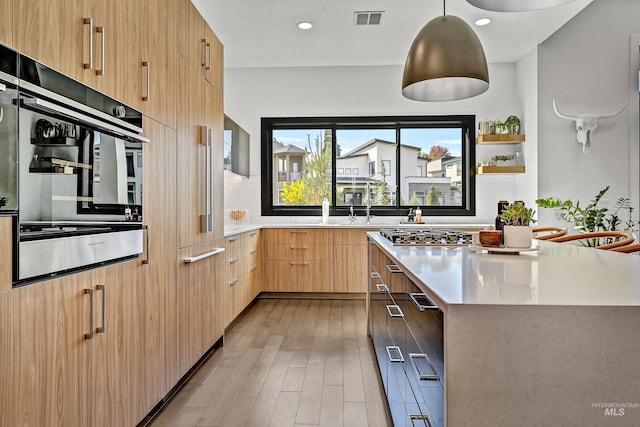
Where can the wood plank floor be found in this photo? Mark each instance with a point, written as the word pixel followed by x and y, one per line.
pixel 287 362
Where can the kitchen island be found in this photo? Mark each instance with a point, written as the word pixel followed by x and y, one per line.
pixel 545 338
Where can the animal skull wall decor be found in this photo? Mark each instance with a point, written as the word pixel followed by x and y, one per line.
pixel 586 124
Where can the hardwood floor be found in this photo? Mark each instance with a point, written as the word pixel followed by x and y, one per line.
pixel 287 362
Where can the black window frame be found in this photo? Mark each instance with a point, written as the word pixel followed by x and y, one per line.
pixel 466 122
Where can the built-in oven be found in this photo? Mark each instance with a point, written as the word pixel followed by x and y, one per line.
pixel 8 129
pixel 79 175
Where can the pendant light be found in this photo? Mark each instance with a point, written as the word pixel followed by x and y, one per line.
pixel 445 62
pixel 516 5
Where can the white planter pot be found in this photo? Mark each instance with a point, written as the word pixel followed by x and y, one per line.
pixel 517 237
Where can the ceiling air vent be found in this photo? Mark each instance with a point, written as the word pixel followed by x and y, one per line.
pixel 368 18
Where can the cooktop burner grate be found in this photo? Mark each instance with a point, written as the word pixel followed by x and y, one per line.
pixel 426 237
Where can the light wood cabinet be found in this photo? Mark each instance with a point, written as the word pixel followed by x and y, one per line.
pixel 53 368
pixel 243 271
pixel 190 157
pixel 298 260
pixel 199 45
pixel 6 22
pixel 75 359
pixel 6 252
pixel 8 393
pixel 94 41
pixel 299 244
pixel 158 65
pixel 201 303
pixel 350 255
pixel 157 314
pixel 200 159
pixel 53 32
pixel 115 376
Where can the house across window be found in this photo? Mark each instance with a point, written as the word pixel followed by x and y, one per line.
pixel 368 161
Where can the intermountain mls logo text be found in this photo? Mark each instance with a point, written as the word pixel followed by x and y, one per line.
pixel 615 409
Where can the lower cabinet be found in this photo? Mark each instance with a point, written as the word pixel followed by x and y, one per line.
pixel 201 301
pixel 406 330
pixel 298 260
pixel 8 393
pixel 350 255
pixel 243 271
pixel 73 350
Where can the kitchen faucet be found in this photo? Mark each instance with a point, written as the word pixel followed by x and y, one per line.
pixel 352 216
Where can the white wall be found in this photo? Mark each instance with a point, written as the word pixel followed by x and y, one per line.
pixel 586 67
pixel 355 91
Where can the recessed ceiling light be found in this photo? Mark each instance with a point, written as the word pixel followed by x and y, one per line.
pixel 305 25
pixel 483 21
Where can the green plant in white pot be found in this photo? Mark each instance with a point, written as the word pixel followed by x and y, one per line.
pixel 517 220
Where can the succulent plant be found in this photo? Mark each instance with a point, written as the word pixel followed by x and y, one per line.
pixel 517 214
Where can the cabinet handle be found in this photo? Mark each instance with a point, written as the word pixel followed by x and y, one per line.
pixel 432 376
pixel 254 268
pixel 398 354
pixel 89 22
pixel 145 64
pixel 206 219
pixel 302 263
pixel 234 282
pixel 422 301
pixel 298 231
pixel 102 329
pixel 192 259
pixel 303 248
pixel 204 52
pixel 233 239
pixel 394 310
pixel 208 58
pixel 382 287
pixel 253 251
pixel 233 260
pixel 394 268
pixel 375 275
pixel 253 234
pixel 145 228
pixel 101 71
pixel 90 334
pixel 420 417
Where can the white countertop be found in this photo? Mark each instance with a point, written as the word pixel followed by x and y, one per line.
pixel 556 274
pixel 230 230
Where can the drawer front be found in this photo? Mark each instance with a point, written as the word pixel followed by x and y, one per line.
pixel 233 267
pixel 299 251
pixel 351 236
pixel 299 276
pixel 299 244
pixel 251 241
pixel 233 244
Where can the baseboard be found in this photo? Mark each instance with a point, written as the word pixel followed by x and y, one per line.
pixel 312 295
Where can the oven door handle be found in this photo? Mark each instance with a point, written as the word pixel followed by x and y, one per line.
pixel 49 107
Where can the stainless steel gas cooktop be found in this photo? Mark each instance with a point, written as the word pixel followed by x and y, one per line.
pixel 426 237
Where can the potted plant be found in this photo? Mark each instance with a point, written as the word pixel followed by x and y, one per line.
pixel 593 217
pixel 517 220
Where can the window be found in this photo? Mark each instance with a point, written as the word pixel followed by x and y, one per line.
pixel 405 162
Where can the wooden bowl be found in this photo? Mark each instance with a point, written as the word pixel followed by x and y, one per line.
pixel 490 238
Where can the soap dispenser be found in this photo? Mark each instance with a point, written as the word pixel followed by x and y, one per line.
pixel 325 211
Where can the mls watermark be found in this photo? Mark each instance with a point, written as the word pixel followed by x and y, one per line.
pixel 615 409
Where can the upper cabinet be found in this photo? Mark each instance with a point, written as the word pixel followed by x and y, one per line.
pixel 158 60
pixel 199 45
pixel 94 41
pixel 6 22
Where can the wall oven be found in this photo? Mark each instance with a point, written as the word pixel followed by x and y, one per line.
pixel 79 175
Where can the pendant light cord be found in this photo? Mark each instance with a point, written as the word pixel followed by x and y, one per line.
pixel 444 7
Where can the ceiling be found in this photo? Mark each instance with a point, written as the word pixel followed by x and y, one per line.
pixel 263 33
